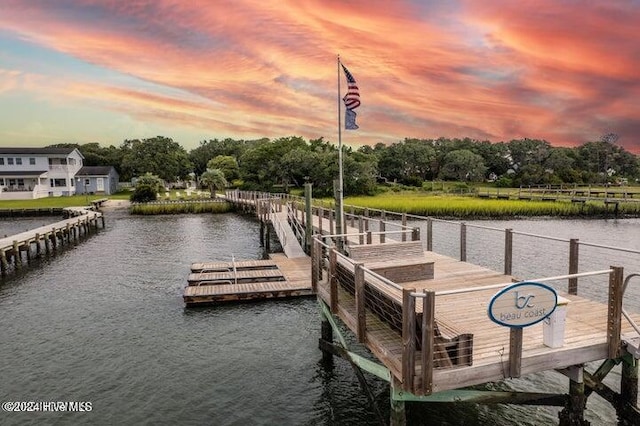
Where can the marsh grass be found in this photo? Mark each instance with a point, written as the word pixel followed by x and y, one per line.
pixel 181 208
pixel 460 206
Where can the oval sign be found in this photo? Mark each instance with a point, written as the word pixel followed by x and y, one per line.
pixel 522 304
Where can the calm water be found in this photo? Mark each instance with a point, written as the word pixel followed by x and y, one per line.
pixel 104 322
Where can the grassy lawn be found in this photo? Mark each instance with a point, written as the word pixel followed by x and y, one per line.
pixel 49 202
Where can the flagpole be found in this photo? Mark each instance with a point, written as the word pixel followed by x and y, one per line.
pixel 339 198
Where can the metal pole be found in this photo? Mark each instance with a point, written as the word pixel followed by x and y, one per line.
pixel 339 189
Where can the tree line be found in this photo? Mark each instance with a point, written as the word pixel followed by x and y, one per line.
pixel 268 165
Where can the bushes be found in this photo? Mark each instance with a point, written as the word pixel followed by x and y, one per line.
pixel 143 194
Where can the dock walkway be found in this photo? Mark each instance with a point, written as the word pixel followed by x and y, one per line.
pixel 50 236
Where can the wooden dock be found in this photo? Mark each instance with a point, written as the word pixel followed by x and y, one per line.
pixel 424 316
pixel 20 248
pixel 275 278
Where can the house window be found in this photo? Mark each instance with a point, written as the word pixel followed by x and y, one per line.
pixel 73 183
pixel 32 161
pixel 20 182
pixel 87 181
pixel 12 182
pixel 10 161
pixel 1 161
pixel 58 182
pixel 18 161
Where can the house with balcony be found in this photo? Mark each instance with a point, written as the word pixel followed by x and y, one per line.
pixel 27 173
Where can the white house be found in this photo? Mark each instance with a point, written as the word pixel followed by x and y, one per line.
pixel 27 173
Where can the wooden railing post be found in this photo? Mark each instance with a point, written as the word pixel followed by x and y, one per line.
pixel 463 242
pixel 429 234
pixel 361 230
pixel 428 336
pixel 508 251
pixel 353 215
pixel 382 231
pixel 515 351
pixel 415 234
pixel 361 316
pixel 369 237
pixel 404 226
pixel 331 225
pixel 320 219
pixel 408 338
pixel 573 265
pixel 614 317
pixel 316 252
pixel 333 281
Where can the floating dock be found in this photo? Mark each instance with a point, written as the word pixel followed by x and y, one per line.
pixel 275 278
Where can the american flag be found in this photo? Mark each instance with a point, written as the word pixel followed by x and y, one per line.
pixel 351 100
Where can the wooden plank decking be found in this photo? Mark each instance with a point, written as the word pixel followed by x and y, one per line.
pixel 585 329
pixel 229 266
pixel 290 278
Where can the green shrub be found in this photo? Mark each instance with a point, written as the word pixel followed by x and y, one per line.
pixel 144 193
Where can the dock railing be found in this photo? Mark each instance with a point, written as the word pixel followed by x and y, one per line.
pixel 428 343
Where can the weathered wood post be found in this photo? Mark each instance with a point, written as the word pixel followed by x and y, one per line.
pixel 47 242
pixel 408 338
pixel 320 219
pixel 331 225
pixel 508 251
pixel 415 234
pixel 333 280
pixel 353 216
pixel 17 259
pixel 54 239
pixel 316 252
pixel 261 234
pixel 398 415
pixel 614 316
pixel 515 351
pixel 361 230
pixel 361 317
pixel 629 385
pixel 4 264
pixel 308 229
pixel 38 248
pixel 463 242
pixel 404 226
pixel 573 412
pixel 429 234
pixel 573 265
pixel 383 229
pixel 326 335
pixel 428 337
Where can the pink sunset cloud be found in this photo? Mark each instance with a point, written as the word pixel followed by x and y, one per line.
pixel 489 70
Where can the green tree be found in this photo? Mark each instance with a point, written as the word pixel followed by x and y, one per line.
pixel 464 165
pixel 227 164
pixel 213 179
pixel 160 156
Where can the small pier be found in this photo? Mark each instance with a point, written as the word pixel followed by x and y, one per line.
pixel 19 249
pixel 274 278
pixel 427 318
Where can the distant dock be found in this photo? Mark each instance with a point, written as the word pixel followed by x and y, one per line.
pixel 19 249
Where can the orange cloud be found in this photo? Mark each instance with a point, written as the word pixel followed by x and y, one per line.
pixel 490 70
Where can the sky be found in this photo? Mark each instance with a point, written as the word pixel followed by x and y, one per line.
pixel 565 71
